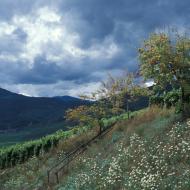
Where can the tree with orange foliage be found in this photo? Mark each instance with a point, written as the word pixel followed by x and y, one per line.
pixel 166 60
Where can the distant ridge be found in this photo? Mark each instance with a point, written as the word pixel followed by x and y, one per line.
pixel 18 111
pixel 68 98
pixel 6 93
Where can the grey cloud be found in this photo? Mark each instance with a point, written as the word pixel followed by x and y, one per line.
pixel 20 34
pixel 45 72
pixel 10 45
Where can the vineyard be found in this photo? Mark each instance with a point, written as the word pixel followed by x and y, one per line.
pixel 20 153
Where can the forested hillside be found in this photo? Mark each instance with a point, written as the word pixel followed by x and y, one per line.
pixel 18 111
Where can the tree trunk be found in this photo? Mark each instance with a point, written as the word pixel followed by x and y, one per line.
pixel 100 127
pixel 182 100
pixel 185 104
pixel 128 109
pixel 186 112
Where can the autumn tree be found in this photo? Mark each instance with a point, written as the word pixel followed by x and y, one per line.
pixel 116 93
pixel 123 90
pixel 80 115
pixel 89 115
pixel 112 98
pixel 166 60
pixel 92 114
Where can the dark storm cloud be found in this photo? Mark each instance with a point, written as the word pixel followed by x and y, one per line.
pixel 126 23
pixel 102 16
pixel 45 72
pixel 124 19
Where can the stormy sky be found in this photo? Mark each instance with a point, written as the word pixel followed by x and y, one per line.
pixel 66 47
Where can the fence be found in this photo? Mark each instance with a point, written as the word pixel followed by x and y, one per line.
pixel 70 156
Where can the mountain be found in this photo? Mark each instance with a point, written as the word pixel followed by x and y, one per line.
pixel 19 111
pixel 68 99
pixel 6 94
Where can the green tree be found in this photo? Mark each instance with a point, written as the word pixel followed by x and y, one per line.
pixel 166 60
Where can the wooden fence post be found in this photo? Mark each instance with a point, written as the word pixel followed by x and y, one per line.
pixel 48 174
pixel 57 177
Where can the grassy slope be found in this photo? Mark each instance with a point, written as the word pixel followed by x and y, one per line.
pixel 148 152
pixel 139 154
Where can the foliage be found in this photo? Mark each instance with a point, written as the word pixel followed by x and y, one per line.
pixel 112 98
pixel 121 90
pixel 172 98
pixel 88 115
pixel 168 99
pixel 166 60
pixel 79 115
